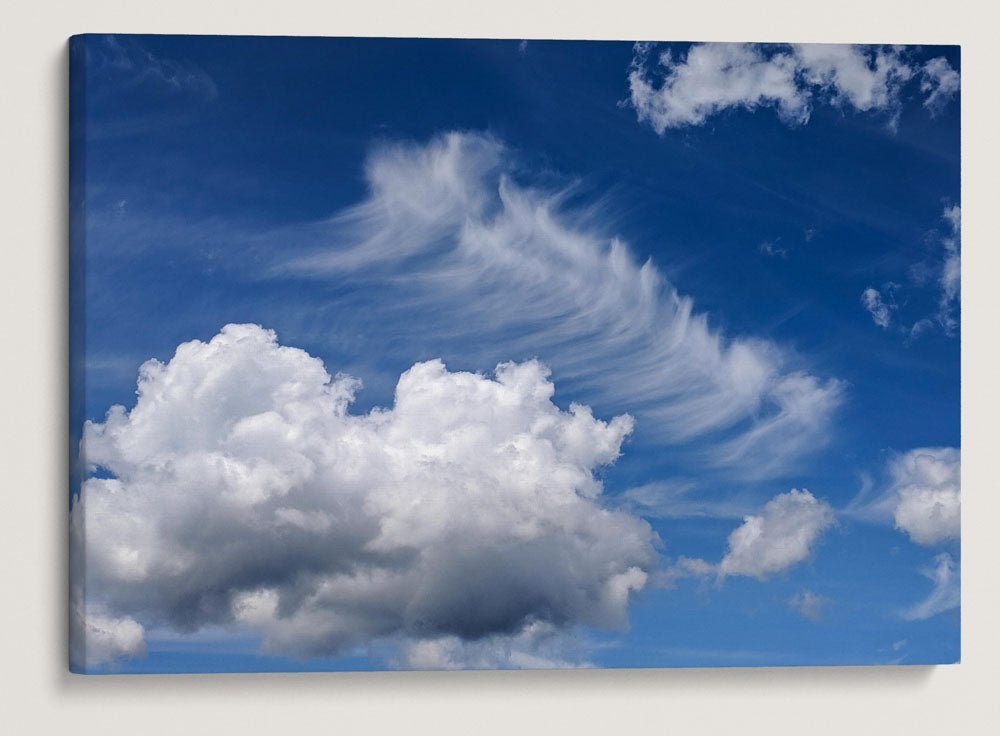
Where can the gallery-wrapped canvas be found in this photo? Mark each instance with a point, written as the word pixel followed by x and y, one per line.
pixel 444 353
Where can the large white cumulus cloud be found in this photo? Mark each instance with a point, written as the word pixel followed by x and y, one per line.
pixel 239 491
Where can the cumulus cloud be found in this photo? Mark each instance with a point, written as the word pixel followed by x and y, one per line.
pixel 713 77
pixel 783 534
pixel 922 497
pixel 940 82
pixel 674 92
pixel 926 486
pixel 809 604
pixel 946 594
pixel 865 78
pixel 240 491
pixel 468 257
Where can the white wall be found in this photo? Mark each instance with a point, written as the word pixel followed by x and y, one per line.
pixel 38 695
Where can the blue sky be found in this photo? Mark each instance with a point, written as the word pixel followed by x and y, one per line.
pixel 751 251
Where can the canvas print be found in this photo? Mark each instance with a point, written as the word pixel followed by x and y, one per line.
pixel 453 353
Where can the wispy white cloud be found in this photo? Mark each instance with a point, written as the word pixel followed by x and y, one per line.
pixel 240 492
pixel 681 499
pixel 771 248
pixel 943 271
pixel 809 604
pixel 950 280
pixel 946 594
pixel 461 254
pixel 671 91
pixel 880 309
pixel 135 65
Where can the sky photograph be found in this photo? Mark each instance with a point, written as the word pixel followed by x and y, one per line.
pixel 502 354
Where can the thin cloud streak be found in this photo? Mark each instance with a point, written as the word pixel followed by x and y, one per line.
pixel 452 250
pixel 946 594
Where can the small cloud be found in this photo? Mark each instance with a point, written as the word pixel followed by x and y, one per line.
pixel 928 496
pixel 809 234
pixel 522 48
pixel 780 536
pixel 880 309
pixel 921 273
pixel 947 592
pixel 685 567
pixel 940 82
pixel 897 645
pixel 771 248
pixel 923 498
pixel 921 326
pixel 943 272
pixel 809 604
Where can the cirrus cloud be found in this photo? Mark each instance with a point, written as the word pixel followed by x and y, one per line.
pixel 465 255
pixel 946 593
pixel 809 604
